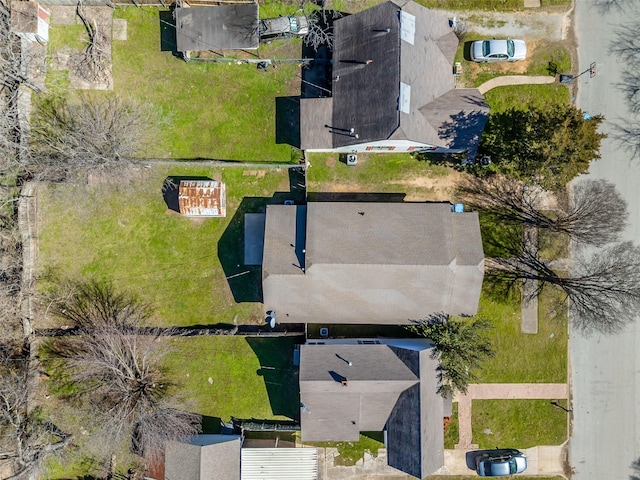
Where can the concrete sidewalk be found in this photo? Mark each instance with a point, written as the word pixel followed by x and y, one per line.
pixel 490 391
pixel 515 80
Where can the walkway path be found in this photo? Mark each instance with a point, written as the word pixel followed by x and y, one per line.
pixel 515 80
pixel 488 391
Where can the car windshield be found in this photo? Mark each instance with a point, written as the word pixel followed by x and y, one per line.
pixel 511 48
pixel 485 48
pixel 512 462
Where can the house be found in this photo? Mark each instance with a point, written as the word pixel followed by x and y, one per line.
pixel 370 263
pixel 203 457
pixel 222 457
pixel 202 198
pixel 392 87
pixel 30 21
pixel 232 26
pixel 350 386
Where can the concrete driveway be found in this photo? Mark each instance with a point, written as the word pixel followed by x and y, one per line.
pixel 605 371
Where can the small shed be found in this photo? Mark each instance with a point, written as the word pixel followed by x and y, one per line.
pixel 30 20
pixel 217 27
pixel 202 198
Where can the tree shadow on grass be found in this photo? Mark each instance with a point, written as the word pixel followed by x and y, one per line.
pixel 279 373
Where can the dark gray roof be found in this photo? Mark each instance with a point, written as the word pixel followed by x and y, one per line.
pixel 390 386
pixel 203 457
pixel 220 27
pixel 367 60
pixel 370 63
pixel 335 412
pixel 415 434
pixel 371 262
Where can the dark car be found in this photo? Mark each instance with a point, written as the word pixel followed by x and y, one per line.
pixel 501 462
pixel 291 26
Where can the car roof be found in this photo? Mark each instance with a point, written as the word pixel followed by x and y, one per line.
pixel 498 46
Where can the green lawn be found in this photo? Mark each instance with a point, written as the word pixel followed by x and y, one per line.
pixel 243 377
pixel 350 452
pixel 518 423
pixel 123 232
pixel 452 432
pixel 399 174
pixel 209 110
pixel 524 358
pixel 525 96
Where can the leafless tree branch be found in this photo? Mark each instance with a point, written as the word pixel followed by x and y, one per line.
pixel 595 215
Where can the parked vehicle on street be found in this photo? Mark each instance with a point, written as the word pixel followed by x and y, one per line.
pixel 501 462
pixel 290 26
pixel 498 50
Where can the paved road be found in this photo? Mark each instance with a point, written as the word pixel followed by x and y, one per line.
pixel 606 385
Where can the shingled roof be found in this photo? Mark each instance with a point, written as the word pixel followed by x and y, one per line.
pixel 391 64
pixel 370 262
pixel 217 27
pixel 391 386
pixel 203 457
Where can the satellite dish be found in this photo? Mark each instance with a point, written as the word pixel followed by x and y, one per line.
pixel 272 322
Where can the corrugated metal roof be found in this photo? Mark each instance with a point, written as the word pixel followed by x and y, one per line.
pixel 279 464
pixel 202 198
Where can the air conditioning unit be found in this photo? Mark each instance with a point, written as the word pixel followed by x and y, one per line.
pixel 324 332
pixel 352 159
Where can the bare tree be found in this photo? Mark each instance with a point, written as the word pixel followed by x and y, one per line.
pixel 93 133
pixel 595 214
pixel 115 366
pixel 602 287
pixel 26 438
pixel 320 33
pixel 94 62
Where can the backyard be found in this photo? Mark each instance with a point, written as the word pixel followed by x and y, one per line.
pixel 122 231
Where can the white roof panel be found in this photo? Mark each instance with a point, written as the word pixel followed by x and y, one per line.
pixel 279 464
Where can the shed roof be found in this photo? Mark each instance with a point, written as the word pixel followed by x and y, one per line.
pixel 390 64
pixel 202 198
pixel 203 457
pixel 371 262
pixel 219 27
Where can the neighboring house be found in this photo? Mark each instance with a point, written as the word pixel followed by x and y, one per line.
pixel 393 87
pixel 221 457
pixel 30 21
pixel 203 457
pixel 370 263
pixel 351 386
pixel 202 198
pixel 217 28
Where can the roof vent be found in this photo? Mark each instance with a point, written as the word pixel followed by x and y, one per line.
pixel 343 380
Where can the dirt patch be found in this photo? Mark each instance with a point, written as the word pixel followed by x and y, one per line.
pixel 254 173
pixel 414 189
pixel 330 162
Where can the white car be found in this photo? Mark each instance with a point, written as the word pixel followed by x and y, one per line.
pixel 498 50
